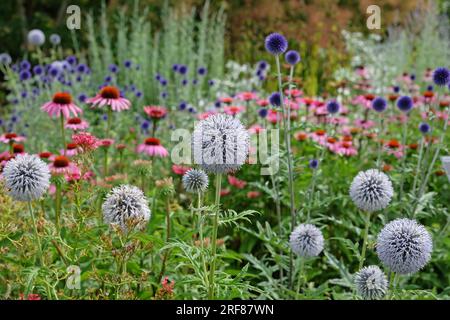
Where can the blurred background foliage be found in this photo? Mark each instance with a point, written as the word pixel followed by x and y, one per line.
pixel 313 26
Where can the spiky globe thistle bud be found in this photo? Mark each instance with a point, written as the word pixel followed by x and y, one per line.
pixel 371 190
pixel 142 168
pixel 195 181
pixel 26 177
pixel 126 206
pixel 220 144
pixel 165 186
pixel 371 283
pixel 306 240
pixel 404 246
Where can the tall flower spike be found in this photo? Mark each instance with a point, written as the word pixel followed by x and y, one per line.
pixel 371 283
pixel 404 246
pixel 371 190
pixel 220 144
pixel 26 177
pixel 126 205
pixel 195 181
pixel 306 240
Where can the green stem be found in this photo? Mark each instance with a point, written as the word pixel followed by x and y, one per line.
pixel 419 162
pixel 214 237
pixel 38 240
pixel 300 275
pixel 364 247
pixel 58 200
pixel 105 164
pixel 63 134
pixel 108 122
pixel 402 179
pixel 380 145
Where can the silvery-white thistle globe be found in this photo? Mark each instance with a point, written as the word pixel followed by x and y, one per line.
pixel 125 205
pixel 220 144
pixel 306 240
pixel 371 283
pixel 371 190
pixel 26 177
pixel 195 181
pixel 36 37
pixel 404 246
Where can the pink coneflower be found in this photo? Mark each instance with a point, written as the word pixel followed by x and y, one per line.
pixel 240 184
pixel 255 129
pixel 72 150
pixel 85 141
pixel 225 192
pixel 344 148
pixel 106 143
pixel 247 96
pixel 293 92
pixel 364 124
pixel 253 194
pixel 273 116
pixel 61 165
pixel 31 296
pixel 338 121
pixel 110 96
pixel 76 124
pixel 11 137
pixel 152 147
pixel 262 102
pixel 300 136
pixel 226 100
pixel 319 136
pixel 61 104
pixel 180 170
pixel 155 112
pixel 205 115
pixel 18 148
pixel 394 147
pixel 233 110
pixel 45 155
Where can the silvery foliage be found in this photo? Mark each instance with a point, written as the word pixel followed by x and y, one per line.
pixel 371 283
pixel 306 240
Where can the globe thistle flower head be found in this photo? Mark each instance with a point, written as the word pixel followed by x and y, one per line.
pixel 126 207
pixel 276 44
pixel 292 57
pixel 379 104
pixel 404 246
pixel 55 39
pixel 275 99
pixel 306 240
pixel 371 283
pixel 424 127
pixel 36 37
pixel 26 177
pixel 220 144
pixel 405 103
pixel 313 164
pixel 195 181
pixel 371 190
pixel 333 107
pixel 441 76
pixel 5 58
pixel 262 65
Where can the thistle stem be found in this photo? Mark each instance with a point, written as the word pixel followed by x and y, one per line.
pixel 364 247
pixel 63 134
pixel 38 240
pixel 214 237
pixel 402 179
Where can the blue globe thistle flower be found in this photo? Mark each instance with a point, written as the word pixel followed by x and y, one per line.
pixel 275 99
pixel 163 82
pixel 292 57
pixel 412 77
pixel 25 65
pixel 82 68
pixel 182 69
pixel 405 103
pixel 24 94
pixel 441 76
pixel 371 283
pixel 78 78
pixel 82 97
pixel 38 70
pixel 113 68
pixel 24 75
pixel 164 95
pixel 211 83
pixel 55 39
pixel 192 110
pixel 138 94
pixel 53 71
pixel 35 91
pixel 127 64
pixel 145 125
pixel 5 58
pixel 158 77
pixel 108 79
pixel 261 78
pixel 195 181
pixel 184 82
pixel 201 71
pixel 430 88
pixel 194 82
pixel 259 73
pixel 379 104
pixel 36 37
pixel 262 65
pixel 306 240
pixel 404 246
pixel 263 112
pixel 71 60
pixel 424 128
pixel 217 104
pixel 104 117
pixel 333 107
pixel 313 164
pixel 396 89
pixel 175 67
pixel 182 106
pixel 276 44
pixel 132 88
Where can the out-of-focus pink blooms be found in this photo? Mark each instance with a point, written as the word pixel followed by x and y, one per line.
pixel 76 124
pixel 61 165
pixel 106 143
pixel 72 150
pixel 364 124
pixel 85 141
pixel 395 148
pixel 225 192
pixel 61 104
pixel 233 110
pixel 320 111
pixel 247 96
pixel 292 105
pixel 240 184
pixel 344 148
pixel 293 92
pixel 18 148
pixel 76 176
pixel 262 102
pixel 319 136
pixel 110 96
pixel 180 170
pixel 52 189
pixel 442 115
pixel 226 100
pixel 155 112
pixel 31 296
pixel 300 136
pixel 338 121
pixel 256 128
pixel 153 148
pixel 253 194
pixel 11 137
pixel 273 116
pixel 205 115
pixel 362 72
